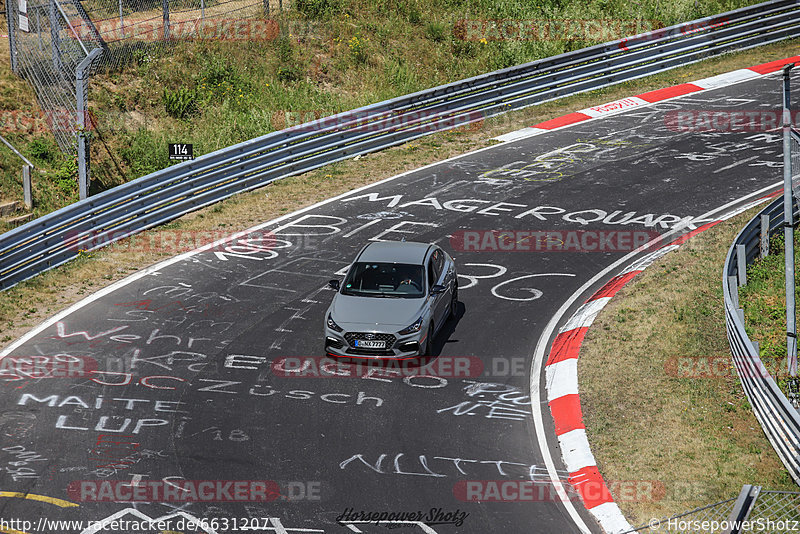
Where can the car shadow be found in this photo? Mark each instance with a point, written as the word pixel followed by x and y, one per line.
pixel 447 330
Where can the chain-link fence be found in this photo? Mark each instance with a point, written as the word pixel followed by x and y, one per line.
pixel 754 511
pixel 685 522
pixel 128 26
pixel 776 512
pixel 57 44
pixel 47 50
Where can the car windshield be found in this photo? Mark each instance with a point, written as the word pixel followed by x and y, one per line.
pixel 397 280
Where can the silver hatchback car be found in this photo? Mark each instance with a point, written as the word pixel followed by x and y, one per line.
pixel 394 299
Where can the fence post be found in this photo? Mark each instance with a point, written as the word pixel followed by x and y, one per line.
pixel 764 235
pixel 788 227
pixel 121 20
pixel 165 7
pixel 26 186
pixel 81 86
pixel 11 14
pixel 55 39
pixel 741 508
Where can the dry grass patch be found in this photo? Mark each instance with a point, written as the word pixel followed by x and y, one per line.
pixel 696 438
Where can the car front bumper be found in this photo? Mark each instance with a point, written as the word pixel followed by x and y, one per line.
pixel 342 344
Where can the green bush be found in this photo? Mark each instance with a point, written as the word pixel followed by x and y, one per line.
pixel 288 74
pixel 181 103
pixel 219 71
pixel 414 14
pixel 436 31
pixel 43 150
pixel 358 48
pixel 317 9
pixel 144 152
pixel 283 49
pixel 66 176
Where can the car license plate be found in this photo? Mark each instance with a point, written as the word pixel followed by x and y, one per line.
pixel 364 344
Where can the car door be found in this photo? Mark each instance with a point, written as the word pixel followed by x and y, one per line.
pixel 441 301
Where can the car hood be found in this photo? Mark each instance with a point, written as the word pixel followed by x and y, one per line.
pixel 401 312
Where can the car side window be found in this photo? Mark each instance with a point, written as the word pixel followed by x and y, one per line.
pixel 438 258
pixel 432 276
pixel 435 264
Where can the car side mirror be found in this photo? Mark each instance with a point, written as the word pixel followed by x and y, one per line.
pixel 438 289
pixel 333 284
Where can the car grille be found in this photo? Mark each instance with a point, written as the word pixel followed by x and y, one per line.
pixel 370 352
pixel 369 336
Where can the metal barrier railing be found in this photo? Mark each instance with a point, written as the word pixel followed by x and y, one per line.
pixel 164 195
pixel 779 419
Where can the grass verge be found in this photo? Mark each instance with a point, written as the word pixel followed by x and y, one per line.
pixel 764 302
pixel 662 402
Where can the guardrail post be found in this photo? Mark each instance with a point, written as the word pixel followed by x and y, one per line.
pixel 740 313
pixel 741 265
pixel 788 226
pixel 741 508
pixel 764 235
pixel 733 287
pixel 757 348
pixel 26 186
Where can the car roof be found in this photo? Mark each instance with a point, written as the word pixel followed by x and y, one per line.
pixel 395 252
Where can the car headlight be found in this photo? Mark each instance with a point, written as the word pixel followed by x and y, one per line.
pixel 410 329
pixel 332 324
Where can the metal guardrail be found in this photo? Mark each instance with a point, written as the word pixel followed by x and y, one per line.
pixel 164 195
pixel 779 419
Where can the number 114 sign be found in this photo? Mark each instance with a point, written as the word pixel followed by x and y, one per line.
pixel 181 151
